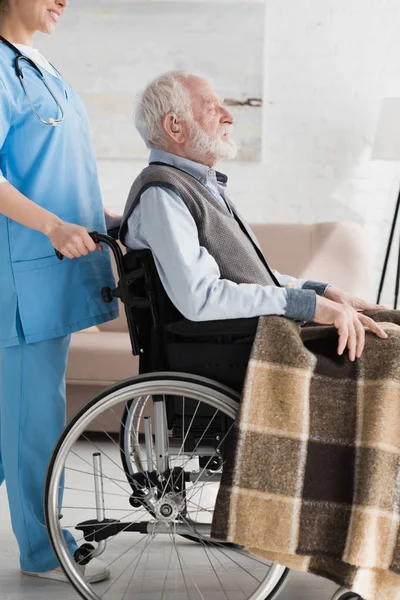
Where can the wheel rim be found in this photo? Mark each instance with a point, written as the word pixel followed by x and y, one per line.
pixel 218 400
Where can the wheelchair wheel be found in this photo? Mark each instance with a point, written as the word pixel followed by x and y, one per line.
pixel 343 594
pixel 136 499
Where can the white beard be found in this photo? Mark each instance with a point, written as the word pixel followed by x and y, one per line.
pixel 203 147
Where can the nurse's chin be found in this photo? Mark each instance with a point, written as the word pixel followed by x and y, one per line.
pixel 48 27
pixel 49 30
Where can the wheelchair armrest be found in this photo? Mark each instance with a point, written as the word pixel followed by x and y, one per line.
pixel 186 328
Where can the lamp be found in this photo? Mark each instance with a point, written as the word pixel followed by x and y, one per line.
pixel 387 147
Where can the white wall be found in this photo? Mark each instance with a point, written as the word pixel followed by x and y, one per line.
pixel 126 43
pixel 328 64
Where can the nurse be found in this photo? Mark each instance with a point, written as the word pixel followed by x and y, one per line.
pixel 49 198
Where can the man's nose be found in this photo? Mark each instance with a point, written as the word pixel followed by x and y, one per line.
pixel 227 116
pixel 63 3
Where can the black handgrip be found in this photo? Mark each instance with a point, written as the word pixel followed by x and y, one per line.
pixel 93 234
pixel 102 238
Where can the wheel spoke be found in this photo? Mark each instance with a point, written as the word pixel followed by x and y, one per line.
pixel 213 568
pixel 193 455
pixel 72 489
pixel 173 537
pixel 229 573
pixel 102 450
pixel 113 479
pixel 215 544
pixel 126 568
pixel 167 571
pixel 148 544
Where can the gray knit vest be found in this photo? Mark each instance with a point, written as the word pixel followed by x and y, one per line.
pixel 227 238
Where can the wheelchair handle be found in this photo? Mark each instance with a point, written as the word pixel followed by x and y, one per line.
pixel 108 241
pixel 107 293
pixel 92 234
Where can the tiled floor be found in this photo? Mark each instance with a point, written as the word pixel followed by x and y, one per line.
pixel 154 565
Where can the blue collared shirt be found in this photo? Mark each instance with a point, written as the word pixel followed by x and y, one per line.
pixel 162 223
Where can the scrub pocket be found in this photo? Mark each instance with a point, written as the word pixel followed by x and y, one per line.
pixel 59 297
pixel 96 272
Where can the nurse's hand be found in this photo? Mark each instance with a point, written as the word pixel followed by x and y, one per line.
pixel 71 240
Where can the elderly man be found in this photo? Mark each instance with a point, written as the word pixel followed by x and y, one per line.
pixel 207 258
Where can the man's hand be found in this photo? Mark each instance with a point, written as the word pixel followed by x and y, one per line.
pixel 337 295
pixel 349 323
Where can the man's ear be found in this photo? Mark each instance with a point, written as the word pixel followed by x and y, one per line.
pixel 173 127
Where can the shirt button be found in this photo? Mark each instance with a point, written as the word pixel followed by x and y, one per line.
pixel 201 180
pixel 210 172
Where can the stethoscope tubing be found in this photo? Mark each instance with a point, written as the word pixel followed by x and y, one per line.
pixel 19 57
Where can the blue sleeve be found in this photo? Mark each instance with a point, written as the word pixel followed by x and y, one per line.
pixel 301 284
pixel 191 276
pixel 5 120
pixel 318 287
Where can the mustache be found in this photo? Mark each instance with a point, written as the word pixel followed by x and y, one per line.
pixel 223 129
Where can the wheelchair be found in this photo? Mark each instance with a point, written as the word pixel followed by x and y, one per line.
pixel 145 499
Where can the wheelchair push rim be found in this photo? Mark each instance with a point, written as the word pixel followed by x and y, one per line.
pixel 158 525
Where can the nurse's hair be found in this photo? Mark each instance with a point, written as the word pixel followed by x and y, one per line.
pixel 165 94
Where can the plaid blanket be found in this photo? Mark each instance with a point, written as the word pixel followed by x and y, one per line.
pixel 314 480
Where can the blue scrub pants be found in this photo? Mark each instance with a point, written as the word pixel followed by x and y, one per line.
pixel 32 416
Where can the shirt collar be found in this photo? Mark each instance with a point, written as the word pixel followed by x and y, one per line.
pixel 201 172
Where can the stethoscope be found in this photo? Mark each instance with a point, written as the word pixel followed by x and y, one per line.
pixel 19 72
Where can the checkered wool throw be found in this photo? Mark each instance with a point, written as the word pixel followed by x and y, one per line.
pixel 314 481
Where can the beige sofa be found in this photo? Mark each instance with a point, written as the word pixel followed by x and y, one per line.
pixel 334 252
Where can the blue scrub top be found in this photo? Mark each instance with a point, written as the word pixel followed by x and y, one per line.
pixel 55 167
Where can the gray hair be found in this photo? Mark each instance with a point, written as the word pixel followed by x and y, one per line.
pixel 165 94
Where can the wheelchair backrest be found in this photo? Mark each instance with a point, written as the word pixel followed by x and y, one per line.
pixel 147 306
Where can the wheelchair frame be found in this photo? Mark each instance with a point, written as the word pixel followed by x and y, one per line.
pixel 154 323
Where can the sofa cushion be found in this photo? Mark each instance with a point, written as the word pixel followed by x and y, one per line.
pixel 103 359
